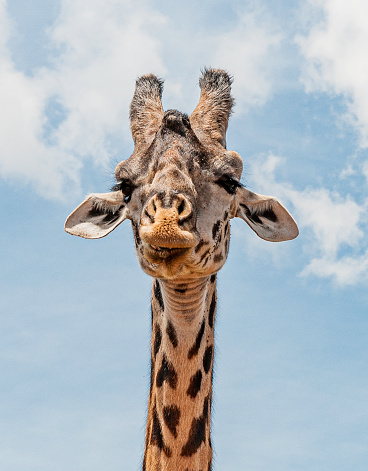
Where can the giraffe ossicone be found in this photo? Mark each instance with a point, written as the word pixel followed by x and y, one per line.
pixel 180 188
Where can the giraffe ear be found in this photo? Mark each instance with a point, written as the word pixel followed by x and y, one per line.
pixel 97 216
pixel 266 216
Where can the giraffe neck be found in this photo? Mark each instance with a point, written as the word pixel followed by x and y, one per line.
pixel 178 423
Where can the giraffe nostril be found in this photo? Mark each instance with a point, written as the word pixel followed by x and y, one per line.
pixel 184 209
pixel 181 207
pixel 151 209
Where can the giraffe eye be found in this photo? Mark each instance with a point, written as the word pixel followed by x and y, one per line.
pixel 229 184
pixel 126 187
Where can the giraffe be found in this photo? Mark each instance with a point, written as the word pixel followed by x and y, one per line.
pixel 180 188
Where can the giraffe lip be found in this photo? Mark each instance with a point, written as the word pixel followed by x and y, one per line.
pixel 165 250
pixel 167 237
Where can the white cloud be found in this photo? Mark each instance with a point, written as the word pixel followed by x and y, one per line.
pixel 54 120
pixel 335 50
pixel 22 154
pixel 346 270
pixel 330 225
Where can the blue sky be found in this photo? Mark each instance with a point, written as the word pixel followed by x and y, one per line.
pixel 291 361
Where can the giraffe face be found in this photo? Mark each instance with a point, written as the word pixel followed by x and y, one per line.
pixel 181 196
pixel 180 187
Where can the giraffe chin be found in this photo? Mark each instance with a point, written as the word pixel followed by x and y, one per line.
pixel 162 262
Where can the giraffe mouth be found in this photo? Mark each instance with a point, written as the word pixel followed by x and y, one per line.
pixel 157 253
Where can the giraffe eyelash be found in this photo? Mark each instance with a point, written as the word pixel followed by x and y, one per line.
pixel 229 184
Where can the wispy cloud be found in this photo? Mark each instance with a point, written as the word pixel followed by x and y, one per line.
pixel 248 51
pixel 336 60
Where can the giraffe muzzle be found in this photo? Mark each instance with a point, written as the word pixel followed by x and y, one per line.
pixel 161 224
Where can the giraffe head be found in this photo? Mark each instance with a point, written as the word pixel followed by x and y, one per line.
pixel 180 187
